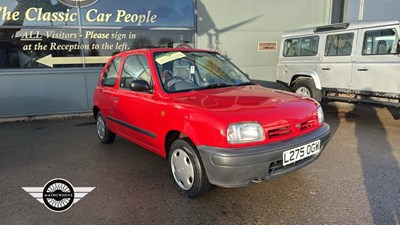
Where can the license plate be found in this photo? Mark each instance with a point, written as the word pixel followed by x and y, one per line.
pixel 299 153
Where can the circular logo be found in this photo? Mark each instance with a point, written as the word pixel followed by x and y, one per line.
pixel 78 3
pixel 184 46
pixel 58 195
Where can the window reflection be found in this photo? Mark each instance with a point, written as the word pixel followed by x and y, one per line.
pixel 23 49
pixel 110 42
pixel 139 13
pixel 48 28
pixel 38 13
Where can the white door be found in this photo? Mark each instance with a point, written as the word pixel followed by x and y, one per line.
pixel 377 68
pixel 335 70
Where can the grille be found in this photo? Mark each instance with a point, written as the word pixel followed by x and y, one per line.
pixel 279 132
pixel 286 131
pixel 277 166
pixel 306 125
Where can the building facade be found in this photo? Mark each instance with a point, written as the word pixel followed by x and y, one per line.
pixel 52 51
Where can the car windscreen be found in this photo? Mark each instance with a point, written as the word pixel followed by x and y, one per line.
pixel 181 71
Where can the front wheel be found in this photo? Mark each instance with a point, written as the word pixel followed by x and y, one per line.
pixel 187 169
pixel 306 87
pixel 105 135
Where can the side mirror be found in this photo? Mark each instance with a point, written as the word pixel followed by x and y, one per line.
pixel 140 86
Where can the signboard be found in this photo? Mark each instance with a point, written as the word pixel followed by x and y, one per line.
pixel 70 33
pixel 136 13
pixel 267 46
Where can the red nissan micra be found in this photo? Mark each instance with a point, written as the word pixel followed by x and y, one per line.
pixel 199 110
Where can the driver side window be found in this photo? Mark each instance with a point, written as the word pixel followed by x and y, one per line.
pixel 135 67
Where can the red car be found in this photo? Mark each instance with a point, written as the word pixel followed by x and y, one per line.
pixel 199 110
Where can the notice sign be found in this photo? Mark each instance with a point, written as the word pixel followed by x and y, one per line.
pixel 267 46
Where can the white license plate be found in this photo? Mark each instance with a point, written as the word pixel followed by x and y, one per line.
pixel 299 153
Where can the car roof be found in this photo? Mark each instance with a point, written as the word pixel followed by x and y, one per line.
pixel 154 50
pixel 338 26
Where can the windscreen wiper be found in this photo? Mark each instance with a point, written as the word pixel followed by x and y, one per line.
pixel 215 86
pixel 245 83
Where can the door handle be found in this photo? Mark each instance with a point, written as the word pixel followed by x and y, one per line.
pixel 115 99
pixel 326 68
pixel 362 69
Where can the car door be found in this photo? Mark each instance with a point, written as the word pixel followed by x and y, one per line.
pixel 336 67
pixel 106 89
pixel 377 63
pixel 136 112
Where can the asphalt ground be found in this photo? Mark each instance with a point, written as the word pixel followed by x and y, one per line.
pixel 355 181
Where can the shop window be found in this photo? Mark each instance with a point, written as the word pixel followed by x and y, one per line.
pixel 25 48
pixel 106 42
pixel 339 44
pixel 140 14
pixel 37 13
pixel 379 42
pixel 51 34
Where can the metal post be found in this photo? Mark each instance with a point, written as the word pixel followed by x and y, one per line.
pixel 361 12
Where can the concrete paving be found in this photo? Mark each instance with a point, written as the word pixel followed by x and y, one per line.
pixel 355 181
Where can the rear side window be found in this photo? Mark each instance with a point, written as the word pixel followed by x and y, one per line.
pixel 110 75
pixel 378 42
pixel 304 46
pixel 339 44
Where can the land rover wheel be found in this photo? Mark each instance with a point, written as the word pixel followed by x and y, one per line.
pixel 105 135
pixel 306 87
pixel 187 169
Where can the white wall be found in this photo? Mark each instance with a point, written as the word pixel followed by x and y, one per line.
pixel 235 27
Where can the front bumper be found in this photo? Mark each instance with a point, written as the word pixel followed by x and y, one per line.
pixel 236 167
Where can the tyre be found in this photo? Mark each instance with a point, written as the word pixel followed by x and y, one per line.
pixel 187 169
pixel 105 135
pixel 306 87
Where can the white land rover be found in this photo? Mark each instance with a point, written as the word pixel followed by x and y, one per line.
pixel 357 61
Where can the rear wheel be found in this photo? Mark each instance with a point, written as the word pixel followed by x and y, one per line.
pixel 105 135
pixel 306 87
pixel 187 169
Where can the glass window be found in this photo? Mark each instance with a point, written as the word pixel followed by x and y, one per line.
pixel 139 13
pixel 39 48
pixel 37 13
pixel 110 75
pixel 135 68
pixel 187 71
pixel 305 46
pixel 339 44
pixel 106 42
pixel 379 42
pixel 70 33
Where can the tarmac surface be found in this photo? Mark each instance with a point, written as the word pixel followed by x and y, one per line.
pixel 355 181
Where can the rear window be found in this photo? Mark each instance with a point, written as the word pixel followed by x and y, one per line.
pixel 304 46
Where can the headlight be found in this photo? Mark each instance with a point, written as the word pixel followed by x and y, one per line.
pixel 320 114
pixel 245 132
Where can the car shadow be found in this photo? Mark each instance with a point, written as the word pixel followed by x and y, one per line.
pixel 380 168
